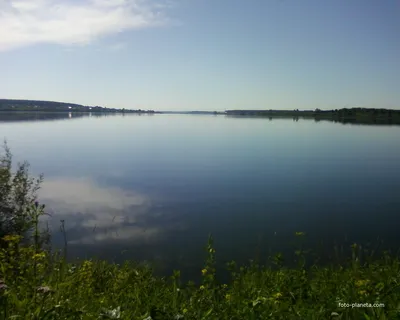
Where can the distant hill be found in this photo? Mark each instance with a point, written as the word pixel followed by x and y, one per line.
pixel 52 106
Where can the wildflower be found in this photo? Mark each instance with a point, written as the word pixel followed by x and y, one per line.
pixel 204 271
pixel 38 256
pixel 259 300
pixel 115 314
pixel 112 314
pixel 3 286
pixel 277 295
pixel 12 238
pixel 72 269
pixel 202 288
pixel 87 264
pixel 44 289
pixel 361 283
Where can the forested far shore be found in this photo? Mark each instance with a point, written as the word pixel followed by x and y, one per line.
pixel 345 112
pixel 11 105
pixel 344 115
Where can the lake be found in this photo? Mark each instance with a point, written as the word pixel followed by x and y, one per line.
pixel 152 187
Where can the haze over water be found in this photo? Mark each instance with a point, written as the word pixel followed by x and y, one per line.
pixel 156 186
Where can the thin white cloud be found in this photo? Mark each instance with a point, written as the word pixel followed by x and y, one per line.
pixel 101 213
pixel 83 195
pixel 71 22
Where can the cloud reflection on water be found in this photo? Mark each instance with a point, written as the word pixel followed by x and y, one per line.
pixel 97 214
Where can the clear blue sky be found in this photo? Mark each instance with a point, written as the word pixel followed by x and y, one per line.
pixel 202 54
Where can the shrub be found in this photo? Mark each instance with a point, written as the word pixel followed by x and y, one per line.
pixel 18 197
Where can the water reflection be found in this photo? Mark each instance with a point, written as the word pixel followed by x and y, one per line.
pixel 96 214
pixel 368 122
pixel 6 116
pixel 39 116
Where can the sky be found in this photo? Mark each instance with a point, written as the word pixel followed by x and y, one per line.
pixel 202 54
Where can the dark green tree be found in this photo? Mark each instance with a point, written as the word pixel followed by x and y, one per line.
pixel 18 194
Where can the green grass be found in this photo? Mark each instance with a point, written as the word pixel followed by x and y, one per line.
pixel 37 284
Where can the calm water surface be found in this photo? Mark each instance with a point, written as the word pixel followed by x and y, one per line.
pixel 153 187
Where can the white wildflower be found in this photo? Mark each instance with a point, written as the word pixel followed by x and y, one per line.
pixel 113 314
pixel 44 289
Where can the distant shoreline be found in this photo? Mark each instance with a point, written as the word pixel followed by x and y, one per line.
pixel 78 111
pixel 12 105
pixel 353 115
pixel 344 115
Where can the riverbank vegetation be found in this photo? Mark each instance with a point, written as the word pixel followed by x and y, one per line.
pixel 37 282
pixel 344 115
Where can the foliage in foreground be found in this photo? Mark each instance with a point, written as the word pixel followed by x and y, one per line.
pixel 18 191
pixel 40 285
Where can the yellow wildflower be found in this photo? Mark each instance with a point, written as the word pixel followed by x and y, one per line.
pixel 12 238
pixel 361 283
pixel 204 271
pixel 38 256
pixel 87 264
pixel 277 295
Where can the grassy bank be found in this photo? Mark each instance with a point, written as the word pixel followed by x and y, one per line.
pixel 38 284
